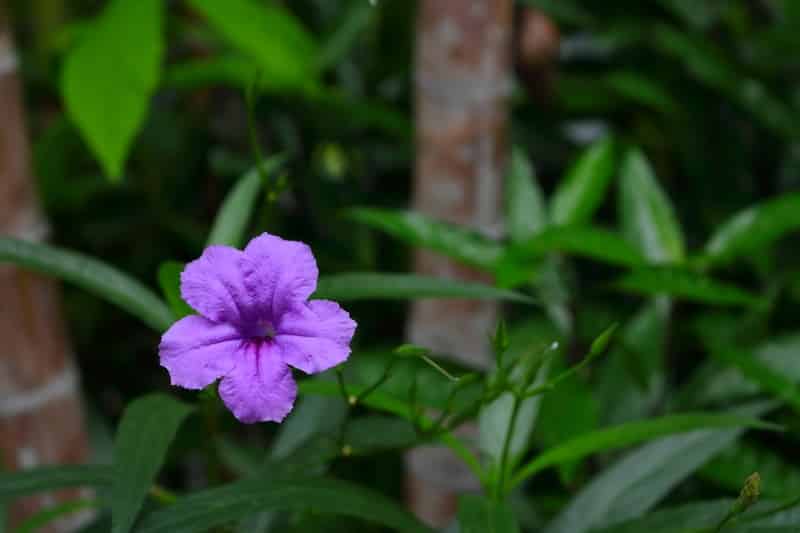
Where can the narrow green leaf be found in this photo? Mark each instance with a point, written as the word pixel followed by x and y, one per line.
pixel 648 219
pixel 634 484
pixel 583 188
pixel 684 285
pixel 92 275
pixel 524 199
pixel 145 432
pixel 478 514
pixel 765 377
pixel 207 509
pixel 109 77
pixel 585 241
pixel 755 228
pixel 418 230
pixel 237 208
pixel 40 520
pixel 24 482
pixel 362 286
pixel 284 52
pixel 633 433
pixel 347 30
pixel 169 279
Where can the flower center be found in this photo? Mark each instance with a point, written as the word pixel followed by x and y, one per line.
pixel 266 330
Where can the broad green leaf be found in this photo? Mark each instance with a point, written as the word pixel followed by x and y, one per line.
pixel 765 377
pixel 526 214
pixel 632 485
pixel 284 52
pixel 375 433
pixel 685 285
pixel 109 77
pixel 169 279
pixel 40 520
pixel 312 416
pixel 642 90
pixel 755 228
pixel 418 230
pixel 584 186
pixel 632 379
pixel 494 422
pixel 690 518
pixel 478 514
pixel 566 412
pixel 713 384
pixel 92 275
pixel 585 241
pixel 236 211
pixel 207 509
pixel 145 432
pixel 633 433
pixel 362 286
pixel 648 219
pixel 24 482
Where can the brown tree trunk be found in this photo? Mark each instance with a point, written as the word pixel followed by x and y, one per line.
pixel 41 419
pixel 463 77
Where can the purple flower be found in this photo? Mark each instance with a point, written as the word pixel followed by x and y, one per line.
pixel 255 321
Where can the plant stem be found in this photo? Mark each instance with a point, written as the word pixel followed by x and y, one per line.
pixel 501 480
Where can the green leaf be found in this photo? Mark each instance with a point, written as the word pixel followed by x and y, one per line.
pixel 231 221
pixel 716 385
pixel 24 482
pixel 684 285
pixel 40 520
pixel 689 518
pixel 478 514
pixel 635 483
pixel 765 377
pixel 420 231
pixel 648 219
pixel 376 433
pixel 169 279
pixel 633 433
pixel 347 30
pixel 284 52
pixel 145 432
pixel 92 275
pixel 362 286
pixel 586 241
pixel 524 199
pixel 583 188
pixel 755 228
pixel 109 77
pixel 207 509
pixel 737 462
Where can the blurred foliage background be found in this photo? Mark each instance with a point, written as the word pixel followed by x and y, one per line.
pixel 707 90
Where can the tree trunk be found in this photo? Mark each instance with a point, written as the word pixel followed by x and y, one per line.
pixel 463 77
pixel 41 419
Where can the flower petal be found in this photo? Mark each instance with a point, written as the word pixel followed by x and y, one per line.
pixel 214 286
pixel 315 336
pixel 261 387
pixel 197 351
pixel 279 272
